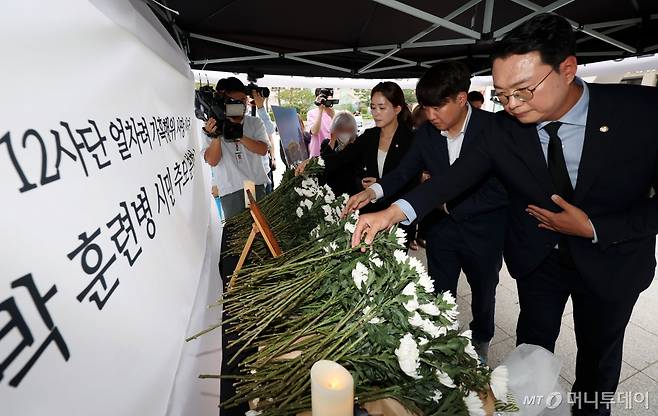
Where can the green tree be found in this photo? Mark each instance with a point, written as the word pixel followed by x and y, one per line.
pixel 410 96
pixel 300 98
pixel 363 94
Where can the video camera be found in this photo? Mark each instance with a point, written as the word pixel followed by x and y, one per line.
pixel 210 104
pixel 252 77
pixel 323 98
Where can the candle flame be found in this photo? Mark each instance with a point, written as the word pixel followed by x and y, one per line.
pixel 334 384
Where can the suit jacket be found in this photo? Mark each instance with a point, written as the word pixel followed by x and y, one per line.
pixel 429 151
pixel 362 156
pixel 618 168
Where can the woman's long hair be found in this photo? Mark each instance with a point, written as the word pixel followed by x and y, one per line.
pixel 395 95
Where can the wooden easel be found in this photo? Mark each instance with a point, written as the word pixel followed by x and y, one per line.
pixel 261 226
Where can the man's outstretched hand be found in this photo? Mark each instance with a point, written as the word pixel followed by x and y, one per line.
pixel 358 201
pixel 370 224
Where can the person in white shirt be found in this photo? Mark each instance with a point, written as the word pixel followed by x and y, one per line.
pixel 237 161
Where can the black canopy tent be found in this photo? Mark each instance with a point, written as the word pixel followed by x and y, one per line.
pixel 388 38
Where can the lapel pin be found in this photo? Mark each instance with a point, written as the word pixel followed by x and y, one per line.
pixel 396 145
pixel 603 129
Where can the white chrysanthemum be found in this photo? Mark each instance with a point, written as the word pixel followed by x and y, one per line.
pixel 448 298
pixel 474 404
pixel 320 161
pixel 408 356
pixel 300 212
pixel 308 193
pixel 330 219
pixel 329 198
pixel 338 211
pixel 422 341
pixel 426 282
pixel 308 203
pixel 331 247
pixel 299 191
pixel 400 256
pixel 349 227
pixel 374 259
pixel 498 383
pixel 452 314
pixel 315 233
pixel 432 329
pixel 253 413
pixel 409 289
pixel 454 326
pixel 470 350
pixel 307 183
pixel 416 320
pixel 412 304
pixel 445 379
pixel 467 334
pixel 401 236
pixel 436 397
pixel 430 309
pixel 327 209
pixel 359 274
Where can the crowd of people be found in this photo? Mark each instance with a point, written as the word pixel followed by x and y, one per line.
pixel 528 182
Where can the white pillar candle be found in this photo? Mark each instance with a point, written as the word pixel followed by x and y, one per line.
pixel 332 390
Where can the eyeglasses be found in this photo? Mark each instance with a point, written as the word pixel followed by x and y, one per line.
pixel 523 94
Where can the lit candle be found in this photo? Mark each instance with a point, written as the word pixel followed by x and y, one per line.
pixel 332 390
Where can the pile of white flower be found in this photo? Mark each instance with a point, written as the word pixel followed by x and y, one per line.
pixel 373 311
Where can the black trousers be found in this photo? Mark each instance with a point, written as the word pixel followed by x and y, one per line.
pixel 449 252
pixel 599 327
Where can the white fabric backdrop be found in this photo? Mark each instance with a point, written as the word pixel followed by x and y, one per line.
pixel 74 75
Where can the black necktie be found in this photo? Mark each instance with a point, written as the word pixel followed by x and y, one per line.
pixel 561 182
pixel 556 164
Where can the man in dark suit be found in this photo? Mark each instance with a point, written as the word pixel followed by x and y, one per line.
pixel 578 161
pixel 467 232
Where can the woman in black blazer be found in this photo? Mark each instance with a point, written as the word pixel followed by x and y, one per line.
pixel 379 149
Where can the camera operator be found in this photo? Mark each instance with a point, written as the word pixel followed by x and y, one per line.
pixel 318 120
pixel 269 161
pixel 236 161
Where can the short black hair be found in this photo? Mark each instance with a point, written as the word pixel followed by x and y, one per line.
pixel 475 96
pixel 442 81
pixel 232 84
pixel 549 34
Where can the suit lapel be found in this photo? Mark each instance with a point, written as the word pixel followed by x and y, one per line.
pixel 528 147
pixel 372 147
pixel 472 129
pixel 392 157
pixel 599 130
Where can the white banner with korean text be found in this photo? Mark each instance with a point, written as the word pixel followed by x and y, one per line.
pixel 107 225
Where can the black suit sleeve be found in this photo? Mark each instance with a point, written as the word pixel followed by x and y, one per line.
pixel 640 221
pixel 465 173
pixel 407 170
pixel 488 196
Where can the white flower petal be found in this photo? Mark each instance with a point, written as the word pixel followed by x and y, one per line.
pixel 430 309
pixel 474 404
pixel 498 383
pixel 445 379
pixel 408 356
pixel 400 256
pixel 436 397
pixel 470 350
pixel 299 212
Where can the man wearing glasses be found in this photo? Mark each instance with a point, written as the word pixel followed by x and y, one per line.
pixel 579 163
